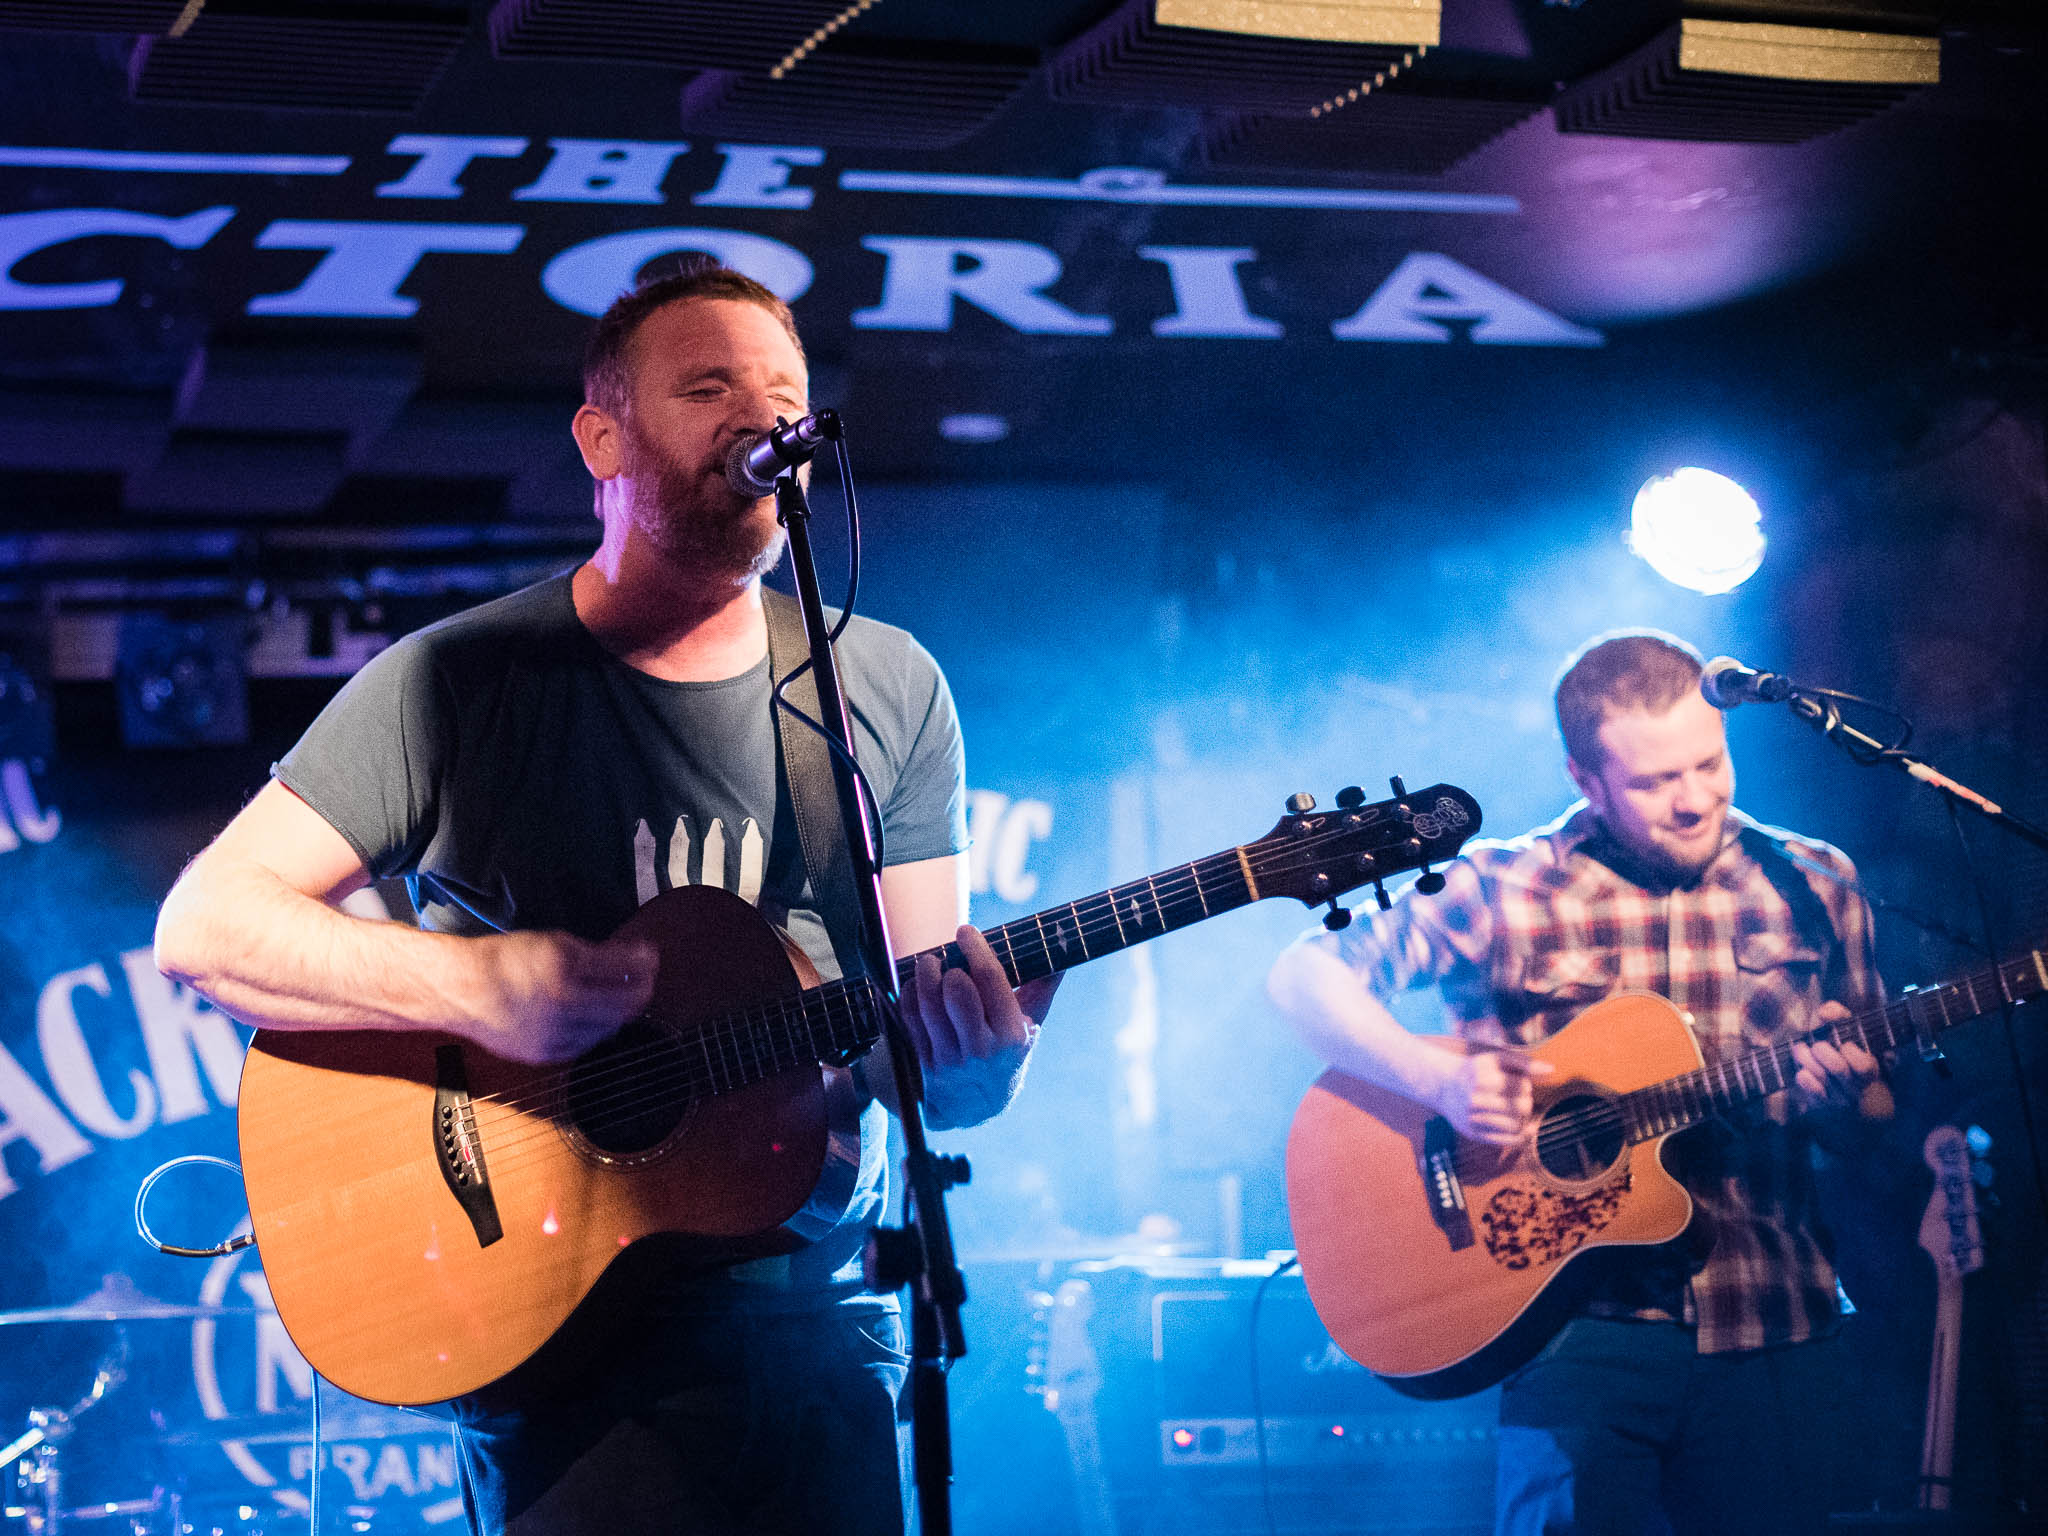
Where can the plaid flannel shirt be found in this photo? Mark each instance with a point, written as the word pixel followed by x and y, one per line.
pixel 1528 933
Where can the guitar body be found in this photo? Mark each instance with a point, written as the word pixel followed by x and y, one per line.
pixel 433 1218
pixel 397 1291
pixel 1442 1301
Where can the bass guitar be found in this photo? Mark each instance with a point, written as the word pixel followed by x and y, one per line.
pixel 430 1215
pixel 1955 1242
pixel 1442 1263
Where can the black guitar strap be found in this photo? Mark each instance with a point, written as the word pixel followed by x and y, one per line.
pixel 807 770
pixel 1809 915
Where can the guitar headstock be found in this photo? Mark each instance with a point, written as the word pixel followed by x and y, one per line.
pixel 1949 1231
pixel 1316 856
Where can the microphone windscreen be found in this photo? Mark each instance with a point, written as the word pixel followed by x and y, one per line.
pixel 740 475
pixel 1720 680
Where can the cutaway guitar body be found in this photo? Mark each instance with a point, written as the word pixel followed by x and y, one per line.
pixel 406 1286
pixel 1442 1264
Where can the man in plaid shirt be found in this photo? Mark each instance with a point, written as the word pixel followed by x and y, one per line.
pixel 1689 1394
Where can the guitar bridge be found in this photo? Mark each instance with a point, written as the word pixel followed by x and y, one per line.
pixel 459 1147
pixel 1440 1183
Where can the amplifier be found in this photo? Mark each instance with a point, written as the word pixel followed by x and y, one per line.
pixel 1194 1392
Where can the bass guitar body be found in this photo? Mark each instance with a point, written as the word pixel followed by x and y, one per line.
pixel 1441 1263
pixel 429 1215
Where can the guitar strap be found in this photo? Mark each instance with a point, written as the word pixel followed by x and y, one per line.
pixel 807 769
pixel 1809 915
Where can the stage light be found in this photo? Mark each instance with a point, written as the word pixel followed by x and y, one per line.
pixel 973 427
pixel 1697 529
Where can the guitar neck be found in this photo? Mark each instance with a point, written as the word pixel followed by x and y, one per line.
pixel 1312 856
pixel 1063 937
pixel 842 1019
pixel 1678 1102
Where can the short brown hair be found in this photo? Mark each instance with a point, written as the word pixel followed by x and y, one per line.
pixel 607 356
pixel 1623 669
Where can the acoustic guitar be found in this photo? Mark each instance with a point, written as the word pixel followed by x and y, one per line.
pixel 1442 1263
pixel 430 1215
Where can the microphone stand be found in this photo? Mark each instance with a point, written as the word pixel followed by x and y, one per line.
pixel 1817 707
pixel 922 1254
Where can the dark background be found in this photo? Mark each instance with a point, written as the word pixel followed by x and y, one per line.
pixel 1194 576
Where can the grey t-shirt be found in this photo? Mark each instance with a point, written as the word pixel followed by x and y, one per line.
pixel 518 775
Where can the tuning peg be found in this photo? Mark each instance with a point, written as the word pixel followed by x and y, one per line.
pixel 1379 891
pixel 1400 789
pixel 1350 798
pixel 1337 919
pixel 1429 882
pixel 1300 803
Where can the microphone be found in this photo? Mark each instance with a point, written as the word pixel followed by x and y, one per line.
pixel 759 459
pixel 1726 682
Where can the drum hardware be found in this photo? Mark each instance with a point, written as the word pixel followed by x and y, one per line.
pixel 118 1300
pixel 37 1456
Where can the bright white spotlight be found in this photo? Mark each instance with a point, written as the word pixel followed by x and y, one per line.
pixel 1698 529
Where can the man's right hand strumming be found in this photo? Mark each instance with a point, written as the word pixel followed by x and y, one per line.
pixel 551 996
pixel 1490 1095
pixel 253 925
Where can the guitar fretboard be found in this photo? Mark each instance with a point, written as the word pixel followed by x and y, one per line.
pixel 1679 1102
pixel 842 1019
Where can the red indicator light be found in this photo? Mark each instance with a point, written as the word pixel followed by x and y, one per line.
pixel 1183 1439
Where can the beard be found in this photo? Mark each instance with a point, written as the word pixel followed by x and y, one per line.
pixel 696 521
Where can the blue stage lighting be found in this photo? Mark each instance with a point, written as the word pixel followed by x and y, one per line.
pixel 1698 529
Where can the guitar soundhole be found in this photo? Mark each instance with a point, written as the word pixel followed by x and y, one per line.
pixel 628 1095
pixel 1581 1138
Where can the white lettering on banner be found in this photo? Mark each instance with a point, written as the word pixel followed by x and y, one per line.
pixel 1427 289
pixel 924 276
pixel 603 171
pixel 442 158
pixel 1000 833
pixel 433 1466
pixel 1208 299
pixel 587 277
pixel 28 1114
pixel 68 1059
pixel 366 263
pixel 923 283
pixel 757 176
pixel 23 234
pixel 24 816
pixel 182 1033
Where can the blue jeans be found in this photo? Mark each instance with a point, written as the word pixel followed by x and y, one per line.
pixel 1620 1428
pixel 752 1422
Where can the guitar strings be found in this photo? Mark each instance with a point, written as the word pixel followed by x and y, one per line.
pixel 740 1057
pixel 646 1090
pixel 738 1036
pixel 1604 1116
pixel 753 1063
pixel 1601 1118
pixel 649 1090
pixel 731 1028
